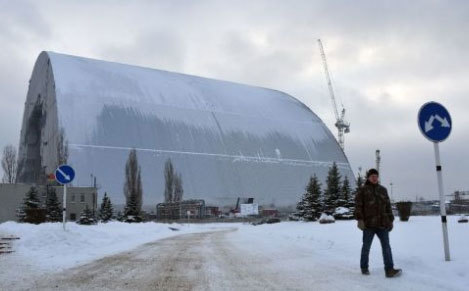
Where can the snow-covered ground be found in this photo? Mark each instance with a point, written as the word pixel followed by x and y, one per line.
pixel 304 252
pixel 48 248
pixel 302 256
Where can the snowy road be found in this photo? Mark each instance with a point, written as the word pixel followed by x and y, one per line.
pixel 168 264
pixel 202 261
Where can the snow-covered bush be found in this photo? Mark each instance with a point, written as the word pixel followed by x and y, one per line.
pixel 295 217
pixel 343 213
pixel 132 218
pixel 325 218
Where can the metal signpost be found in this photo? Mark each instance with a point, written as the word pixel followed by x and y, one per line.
pixel 64 175
pixel 435 124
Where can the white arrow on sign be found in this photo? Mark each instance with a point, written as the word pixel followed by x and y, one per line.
pixel 67 177
pixel 443 121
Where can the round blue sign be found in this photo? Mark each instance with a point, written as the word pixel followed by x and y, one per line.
pixel 64 174
pixel 434 121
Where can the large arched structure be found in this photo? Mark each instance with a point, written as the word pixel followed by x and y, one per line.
pixel 227 140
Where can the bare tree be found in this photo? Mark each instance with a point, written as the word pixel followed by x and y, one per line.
pixel 173 190
pixel 169 181
pixel 178 190
pixel 9 164
pixel 139 190
pixel 62 148
pixel 133 181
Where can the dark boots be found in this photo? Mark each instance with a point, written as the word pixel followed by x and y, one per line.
pixel 391 273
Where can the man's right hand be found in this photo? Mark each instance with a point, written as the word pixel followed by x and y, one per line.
pixel 361 224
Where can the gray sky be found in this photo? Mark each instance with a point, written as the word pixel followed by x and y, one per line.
pixel 387 58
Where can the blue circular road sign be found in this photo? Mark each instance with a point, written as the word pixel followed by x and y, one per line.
pixel 64 174
pixel 434 121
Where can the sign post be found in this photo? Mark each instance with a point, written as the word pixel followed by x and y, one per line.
pixel 435 124
pixel 64 175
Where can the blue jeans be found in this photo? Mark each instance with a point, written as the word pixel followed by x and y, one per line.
pixel 383 236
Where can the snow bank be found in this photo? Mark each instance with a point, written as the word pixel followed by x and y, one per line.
pixel 47 247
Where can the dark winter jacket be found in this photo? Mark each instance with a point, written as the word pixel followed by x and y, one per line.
pixel 373 206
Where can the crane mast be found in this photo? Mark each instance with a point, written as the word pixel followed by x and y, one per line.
pixel 342 126
pixel 378 159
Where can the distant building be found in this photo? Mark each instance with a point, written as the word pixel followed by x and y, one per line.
pixel 460 202
pixel 248 209
pixel 194 208
pixel 226 139
pixel 12 195
pixel 212 211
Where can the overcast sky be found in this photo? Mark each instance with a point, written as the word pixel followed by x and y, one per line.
pixel 387 58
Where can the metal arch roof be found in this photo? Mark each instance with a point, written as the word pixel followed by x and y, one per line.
pixel 242 136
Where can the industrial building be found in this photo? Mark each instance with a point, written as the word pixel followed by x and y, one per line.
pixel 78 198
pixel 227 140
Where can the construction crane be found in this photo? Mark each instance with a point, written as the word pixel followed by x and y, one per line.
pixel 378 159
pixel 343 126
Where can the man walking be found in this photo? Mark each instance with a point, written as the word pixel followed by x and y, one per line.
pixel 374 214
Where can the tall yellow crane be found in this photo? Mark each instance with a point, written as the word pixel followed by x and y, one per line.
pixel 342 125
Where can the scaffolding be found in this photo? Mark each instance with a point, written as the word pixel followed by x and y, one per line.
pixel 181 209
